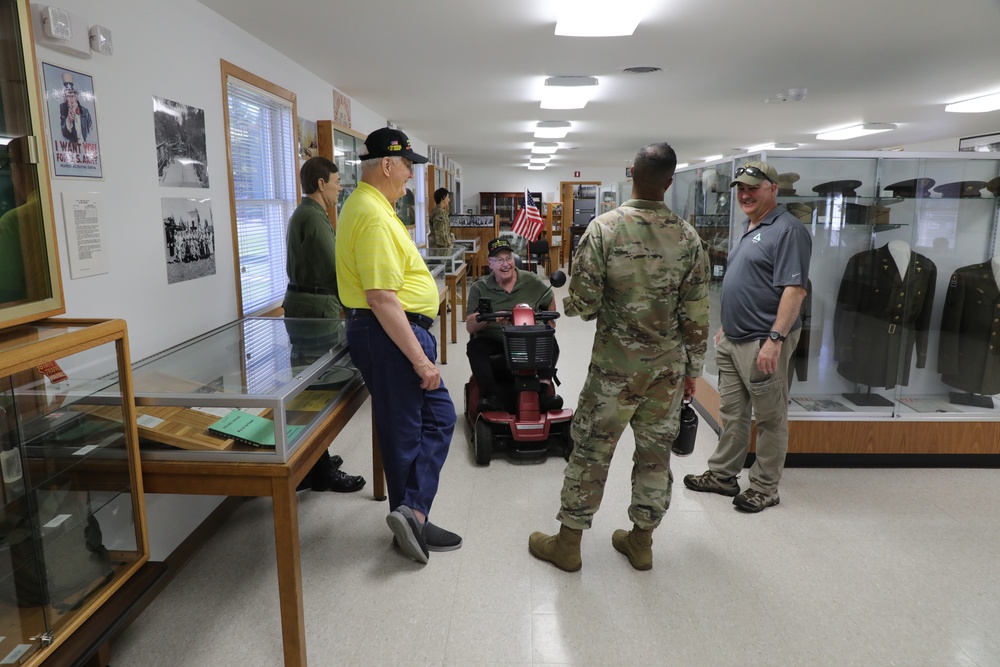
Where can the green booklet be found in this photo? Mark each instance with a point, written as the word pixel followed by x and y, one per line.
pixel 250 429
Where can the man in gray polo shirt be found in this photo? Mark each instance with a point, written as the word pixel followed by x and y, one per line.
pixel 762 295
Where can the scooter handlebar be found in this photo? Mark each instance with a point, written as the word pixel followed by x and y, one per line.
pixel 540 315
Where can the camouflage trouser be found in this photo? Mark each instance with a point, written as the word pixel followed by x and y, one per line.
pixel 611 400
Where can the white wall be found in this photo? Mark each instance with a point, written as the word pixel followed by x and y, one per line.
pixel 172 50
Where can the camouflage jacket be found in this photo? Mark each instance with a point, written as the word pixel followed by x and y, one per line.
pixel 440 230
pixel 643 273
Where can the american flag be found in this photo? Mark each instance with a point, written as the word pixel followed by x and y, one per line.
pixel 528 222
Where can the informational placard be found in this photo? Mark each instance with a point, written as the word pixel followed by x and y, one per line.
pixel 471 220
pixel 87 254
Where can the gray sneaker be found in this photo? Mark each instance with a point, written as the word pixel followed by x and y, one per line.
pixel 753 500
pixel 709 481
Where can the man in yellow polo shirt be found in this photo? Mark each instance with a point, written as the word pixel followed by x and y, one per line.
pixel 391 300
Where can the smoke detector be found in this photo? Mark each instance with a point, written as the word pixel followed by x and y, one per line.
pixel 793 94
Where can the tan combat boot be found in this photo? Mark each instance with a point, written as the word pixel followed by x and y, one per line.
pixel 637 544
pixel 562 550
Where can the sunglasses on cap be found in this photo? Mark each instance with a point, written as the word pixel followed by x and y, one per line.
pixel 754 172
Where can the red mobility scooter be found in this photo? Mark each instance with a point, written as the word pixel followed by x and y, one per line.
pixel 529 432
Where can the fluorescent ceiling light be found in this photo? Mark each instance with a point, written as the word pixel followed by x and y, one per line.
pixel 540 158
pixel 598 18
pixel 545 147
pixel 568 92
pixel 681 165
pixel 551 129
pixel 713 157
pixel 855 131
pixel 536 167
pixel 773 147
pixel 976 105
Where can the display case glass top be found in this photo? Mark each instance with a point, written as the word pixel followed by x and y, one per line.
pixel 290 372
pixel 471 245
pixel 451 258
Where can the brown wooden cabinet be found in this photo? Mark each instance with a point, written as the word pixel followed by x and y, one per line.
pixel 504 205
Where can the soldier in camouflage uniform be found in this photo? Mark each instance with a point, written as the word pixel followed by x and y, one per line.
pixel 642 272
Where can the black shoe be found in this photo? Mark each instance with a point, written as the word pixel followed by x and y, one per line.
pixel 547 403
pixel 325 467
pixel 439 539
pixel 491 404
pixel 409 533
pixel 339 481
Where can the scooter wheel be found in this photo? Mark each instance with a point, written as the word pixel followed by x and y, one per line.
pixel 483 443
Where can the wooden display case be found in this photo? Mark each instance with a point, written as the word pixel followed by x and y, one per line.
pixel 73 528
pixel 30 281
pixel 504 205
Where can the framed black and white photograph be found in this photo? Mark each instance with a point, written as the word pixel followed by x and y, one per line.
pixel 181 155
pixel 189 238
pixel 71 112
pixel 984 143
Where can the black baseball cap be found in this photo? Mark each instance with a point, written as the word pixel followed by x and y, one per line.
pixel 387 142
pixel 496 245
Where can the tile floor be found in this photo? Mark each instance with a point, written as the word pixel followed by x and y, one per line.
pixel 858 567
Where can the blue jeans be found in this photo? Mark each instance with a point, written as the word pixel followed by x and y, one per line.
pixel 414 426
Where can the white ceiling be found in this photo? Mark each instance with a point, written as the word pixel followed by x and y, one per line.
pixel 464 75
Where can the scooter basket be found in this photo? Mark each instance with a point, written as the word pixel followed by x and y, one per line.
pixel 529 347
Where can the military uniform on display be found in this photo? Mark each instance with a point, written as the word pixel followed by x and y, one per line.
pixel 643 273
pixel 881 317
pixel 312 272
pixel 969 353
pixel 440 225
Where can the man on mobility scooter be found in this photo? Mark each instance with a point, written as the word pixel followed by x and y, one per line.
pixel 512 397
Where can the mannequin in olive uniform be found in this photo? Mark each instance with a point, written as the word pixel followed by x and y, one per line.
pixel 312 288
pixel 441 236
pixel 642 273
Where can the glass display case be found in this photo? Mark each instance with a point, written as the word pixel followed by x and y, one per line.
pixel 345 156
pixel 30 284
pixel 452 259
pixel 903 315
pixel 252 390
pixel 72 528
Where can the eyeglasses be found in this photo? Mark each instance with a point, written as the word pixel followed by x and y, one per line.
pixel 502 260
pixel 754 172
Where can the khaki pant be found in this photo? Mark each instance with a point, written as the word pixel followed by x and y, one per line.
pixel 742 387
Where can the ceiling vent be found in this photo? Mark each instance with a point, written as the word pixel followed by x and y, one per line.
pixel 645 69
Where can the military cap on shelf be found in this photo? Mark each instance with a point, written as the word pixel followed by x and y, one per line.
pixel 994 186
pixel 387 142
pixel 912 188
pixel 801 211
pixel 785 183
pixel 496 245
pixel 961 189
pixel 754 173
pixel 844 188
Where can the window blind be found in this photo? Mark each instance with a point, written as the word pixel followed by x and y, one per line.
pixel 262 144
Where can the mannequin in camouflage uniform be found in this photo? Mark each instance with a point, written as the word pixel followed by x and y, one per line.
pixel 642 272
pixel 440 235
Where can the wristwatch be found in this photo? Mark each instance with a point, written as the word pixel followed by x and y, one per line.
pixel 775 336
